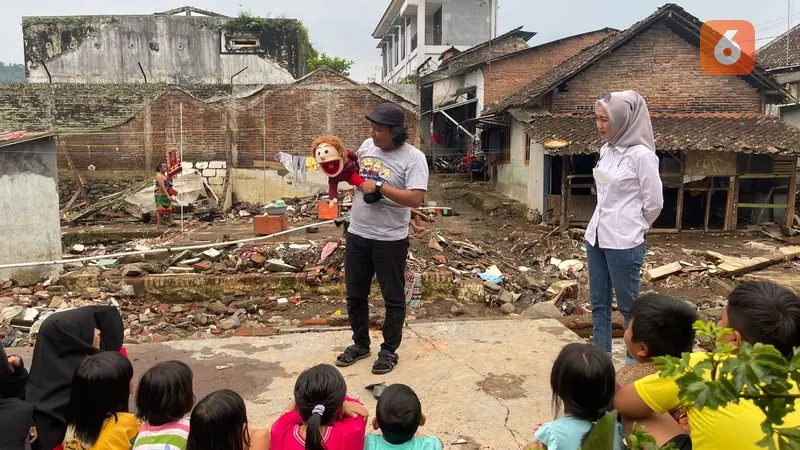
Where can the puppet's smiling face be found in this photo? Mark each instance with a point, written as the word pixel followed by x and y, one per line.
pixel 329 159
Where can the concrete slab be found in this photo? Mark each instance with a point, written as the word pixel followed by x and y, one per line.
pixel 483 381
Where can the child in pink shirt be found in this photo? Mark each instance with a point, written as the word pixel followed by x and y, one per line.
pixel 318 422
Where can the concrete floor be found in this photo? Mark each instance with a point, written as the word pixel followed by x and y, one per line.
pixel 486 382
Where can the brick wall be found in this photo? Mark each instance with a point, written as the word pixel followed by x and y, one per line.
pixel 508 75
pixel 130 127
pixel 665 69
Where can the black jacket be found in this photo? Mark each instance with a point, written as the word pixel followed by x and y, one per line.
pixel 63 341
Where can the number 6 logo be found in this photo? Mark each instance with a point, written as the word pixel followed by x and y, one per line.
pixel 727 47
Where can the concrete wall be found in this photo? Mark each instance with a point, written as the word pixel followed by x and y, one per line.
pixel 170 49
pixel 521 181
pixel 476 79
pixel 130 127
pixel 465 23
pixel 29 222
pixel 261 186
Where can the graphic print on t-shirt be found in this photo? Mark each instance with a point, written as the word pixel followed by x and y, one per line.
pixel 373 169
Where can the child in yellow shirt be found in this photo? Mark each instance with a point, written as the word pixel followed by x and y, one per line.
pixel 757 312
pixel 98 405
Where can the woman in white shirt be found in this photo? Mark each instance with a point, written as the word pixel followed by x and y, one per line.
pixel 629 199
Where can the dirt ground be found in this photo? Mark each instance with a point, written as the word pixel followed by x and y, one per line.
pixel 467 243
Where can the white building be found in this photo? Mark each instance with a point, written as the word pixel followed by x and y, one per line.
pixel 415 32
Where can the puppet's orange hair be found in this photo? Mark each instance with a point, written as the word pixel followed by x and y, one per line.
pixel 330 140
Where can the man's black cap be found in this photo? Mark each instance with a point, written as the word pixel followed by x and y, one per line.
pixel 387 114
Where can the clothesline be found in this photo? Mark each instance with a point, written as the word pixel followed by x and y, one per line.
pixel 299 165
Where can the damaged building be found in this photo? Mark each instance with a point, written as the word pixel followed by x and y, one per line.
pixel 724 163
pixel 182 46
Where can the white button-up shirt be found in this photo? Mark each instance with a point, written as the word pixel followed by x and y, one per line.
pixel 628 206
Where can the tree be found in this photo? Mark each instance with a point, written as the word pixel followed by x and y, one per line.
pixel 758 373
pixel 12 73
pixel 339 65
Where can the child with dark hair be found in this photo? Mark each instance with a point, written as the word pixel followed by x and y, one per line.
pixel 64 340
pixel 219 422
pixel 398 417
pixel 757 312
pixel 16 416
pixel 582 380
pixel 319 421
pixel 164 400
pixel 660 325
pixel 97 411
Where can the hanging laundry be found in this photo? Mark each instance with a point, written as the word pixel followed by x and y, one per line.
pixel 311 165
pixel 285 159
pixel 299 166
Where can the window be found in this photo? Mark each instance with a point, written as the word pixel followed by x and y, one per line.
pixel 527 149
pixel 403 43
pixel 242 43
pixel 435 35
pixel 413 42
pixel 749 163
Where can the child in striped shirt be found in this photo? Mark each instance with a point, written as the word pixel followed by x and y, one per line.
pixel 164 400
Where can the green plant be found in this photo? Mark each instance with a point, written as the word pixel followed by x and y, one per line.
pixel 759 373
pixel 338 65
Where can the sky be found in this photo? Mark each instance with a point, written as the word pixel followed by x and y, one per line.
pixel 344 28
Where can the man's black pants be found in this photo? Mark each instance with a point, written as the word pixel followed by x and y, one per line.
pixel 386 260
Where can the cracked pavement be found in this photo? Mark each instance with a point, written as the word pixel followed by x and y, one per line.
pixel 486 382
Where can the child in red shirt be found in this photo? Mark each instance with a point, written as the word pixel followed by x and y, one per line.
pixel 318 421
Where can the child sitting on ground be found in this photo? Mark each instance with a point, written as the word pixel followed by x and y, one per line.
pixel 319 421
pixel 97 411
pixel 660 326
pixel 219 422
pixel 758 312
pixel 16 416
pixel 398 417
pixel 164 400
pixel 582 380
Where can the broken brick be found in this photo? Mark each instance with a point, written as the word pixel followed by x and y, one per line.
pixel 202 266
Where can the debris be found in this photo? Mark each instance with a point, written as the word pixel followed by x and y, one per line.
pixel 244 213
pixel 508 296
pixel 377 389
pixel 662 271
pixel 226 366
pixel 721 286
pixel 543 310
pixel 491 286
pixel 190 261
pixel 10 313
pixel 532 283
pixel 434 244
pixel 179 269
pixel 217 307
pixel 277 265
pixel 562 289
pixel 131 270
pixel 231 324
pixel 733 266
pixel 570 265
pixel 457 309
pixel 555 261
pixel 761 246
pixel 508 308
pixel 299 246
pixel 212 254
pixel 492 275
pixel 77 249
pixel 182 256
pixel 312 230
pixel 441 259
pixel 128 290
pixel 328 250
pixel 459 442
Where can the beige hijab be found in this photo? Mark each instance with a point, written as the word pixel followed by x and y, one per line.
pixel 630 119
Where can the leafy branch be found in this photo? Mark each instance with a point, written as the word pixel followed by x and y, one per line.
pixel 758 373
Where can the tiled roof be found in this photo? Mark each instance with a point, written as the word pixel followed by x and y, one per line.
pixel 774 54
pixel 727 132
pixel 17 137
pixel 550 80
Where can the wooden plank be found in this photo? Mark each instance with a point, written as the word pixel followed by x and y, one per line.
pixel 763 205
pixel 707 215
pixel 752 176
pixel 729 204
pixel 788 279
pixel 662 271
pixel 681 189
pixel 564 194
pixel 71 201
pixel 81 187
pixel 734 266
pixel 792 198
